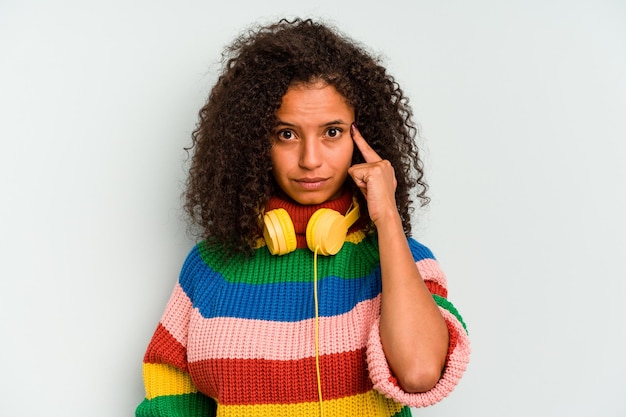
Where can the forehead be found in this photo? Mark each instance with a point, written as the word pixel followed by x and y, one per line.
pixel 313 100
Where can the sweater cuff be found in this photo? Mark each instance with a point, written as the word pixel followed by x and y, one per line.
pixel 456 363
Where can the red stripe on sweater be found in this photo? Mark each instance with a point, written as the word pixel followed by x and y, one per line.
pixel 436 288
pixel 164 348
pixel 258 381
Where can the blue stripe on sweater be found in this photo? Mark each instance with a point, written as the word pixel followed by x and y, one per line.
pixel 292 301
pixel 286 301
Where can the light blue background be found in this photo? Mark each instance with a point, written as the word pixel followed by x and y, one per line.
pixel 522 105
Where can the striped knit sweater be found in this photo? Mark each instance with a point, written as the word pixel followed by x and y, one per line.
pixel 238 334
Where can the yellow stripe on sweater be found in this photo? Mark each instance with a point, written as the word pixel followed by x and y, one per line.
pixel 355 237
pixel 371 403
pixel 161 379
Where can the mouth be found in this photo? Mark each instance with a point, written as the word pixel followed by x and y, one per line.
pixel 311 183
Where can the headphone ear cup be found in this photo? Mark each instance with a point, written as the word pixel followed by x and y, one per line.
pixel 278 232
pixel 326 231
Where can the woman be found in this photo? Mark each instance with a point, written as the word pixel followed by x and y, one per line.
pixel 305 295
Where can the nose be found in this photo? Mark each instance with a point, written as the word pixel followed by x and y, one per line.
pixel 311 155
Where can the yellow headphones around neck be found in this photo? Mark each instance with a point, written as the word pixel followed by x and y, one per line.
pixel 326 230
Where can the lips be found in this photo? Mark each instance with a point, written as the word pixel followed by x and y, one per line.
pixel 311 183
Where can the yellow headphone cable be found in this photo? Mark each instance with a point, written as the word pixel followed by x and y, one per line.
pixel 317 333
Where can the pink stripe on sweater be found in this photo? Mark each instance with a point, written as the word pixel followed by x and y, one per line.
pixel 177 314
pixel 430 271
pixel 232 338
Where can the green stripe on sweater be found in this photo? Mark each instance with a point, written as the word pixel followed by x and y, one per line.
pixel 353 261
pixel 443 303
pixel 184 405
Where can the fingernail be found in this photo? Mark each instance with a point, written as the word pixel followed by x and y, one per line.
pixel 353 128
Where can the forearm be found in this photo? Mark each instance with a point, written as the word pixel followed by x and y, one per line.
pixel 413 332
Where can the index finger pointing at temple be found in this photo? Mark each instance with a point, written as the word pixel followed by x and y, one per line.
pixel 368 153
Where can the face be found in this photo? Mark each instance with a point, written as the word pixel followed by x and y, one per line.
pixel 311 144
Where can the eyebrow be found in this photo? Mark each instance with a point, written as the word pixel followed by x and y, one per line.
pixel 331 123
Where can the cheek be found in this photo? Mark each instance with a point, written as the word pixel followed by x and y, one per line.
pixel 275 159
pixel 281 162
pixel 347 155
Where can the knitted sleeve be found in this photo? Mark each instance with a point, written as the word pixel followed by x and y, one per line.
pixel 458 350
pixel 170 391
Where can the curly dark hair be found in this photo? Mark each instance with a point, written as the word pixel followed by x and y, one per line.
pixel 230 177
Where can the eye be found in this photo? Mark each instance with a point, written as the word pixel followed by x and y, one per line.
pixel 285 134
pixel 333 132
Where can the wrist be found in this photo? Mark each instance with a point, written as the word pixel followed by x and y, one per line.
pixel 389 220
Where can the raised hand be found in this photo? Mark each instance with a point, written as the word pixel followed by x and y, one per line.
pixel 376 179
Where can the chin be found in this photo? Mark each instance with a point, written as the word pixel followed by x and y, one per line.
pixel 309 199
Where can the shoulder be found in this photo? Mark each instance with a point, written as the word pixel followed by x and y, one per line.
pixel 195 258
pixel 200 262
pixel 206 254
pixel 419 250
